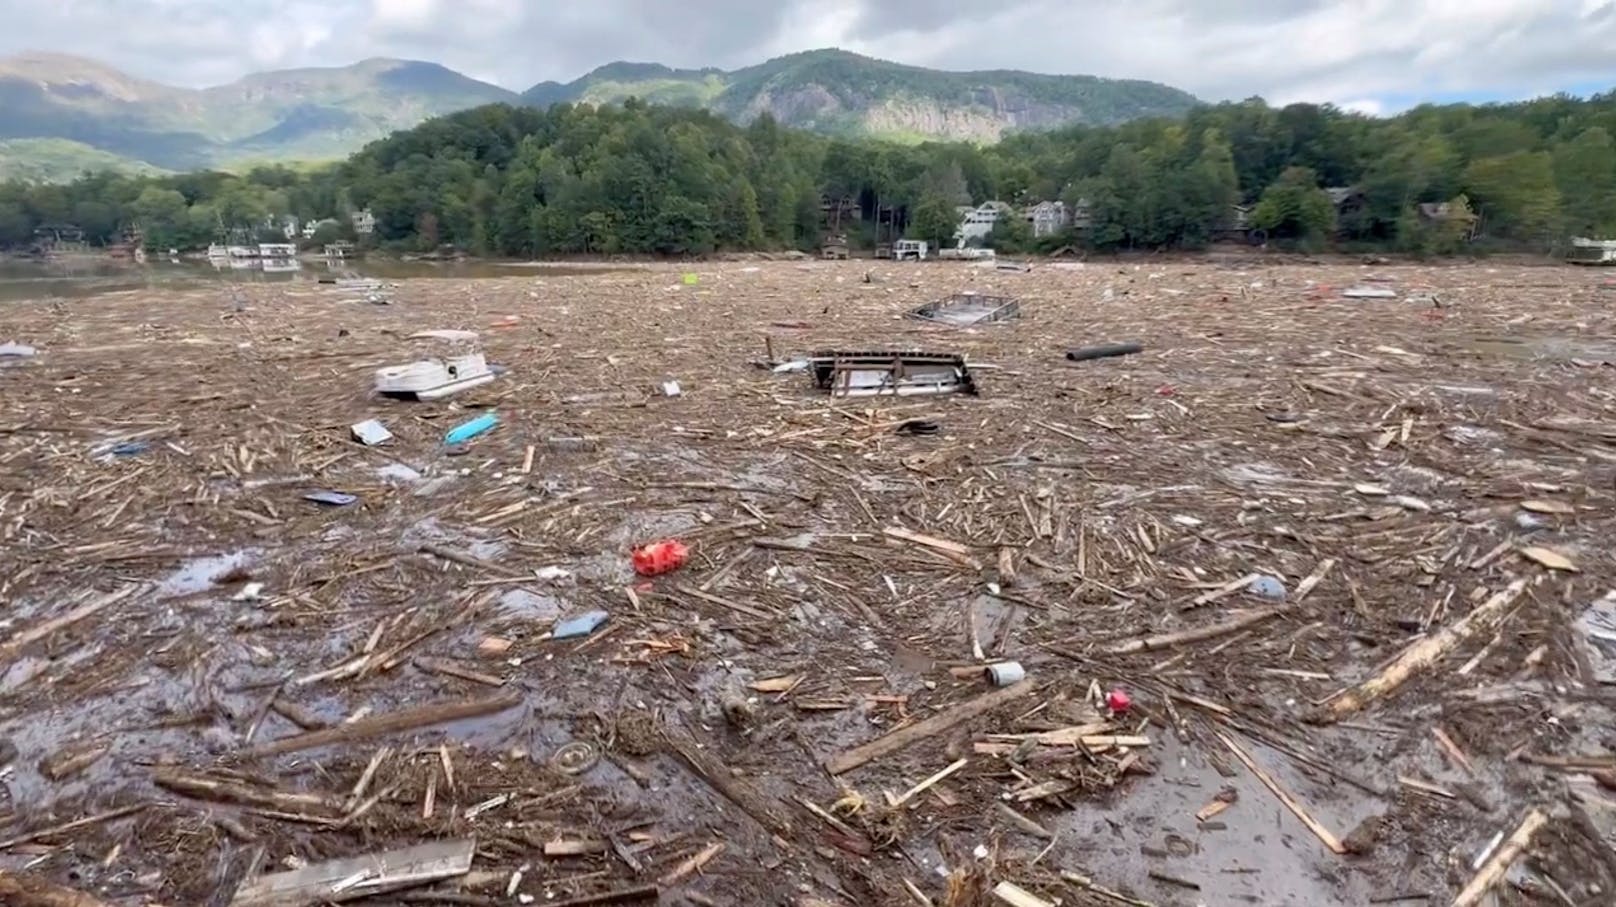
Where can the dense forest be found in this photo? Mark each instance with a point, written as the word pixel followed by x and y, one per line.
pixel 634 178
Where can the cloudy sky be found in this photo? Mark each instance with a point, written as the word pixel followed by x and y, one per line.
pixel 1372 55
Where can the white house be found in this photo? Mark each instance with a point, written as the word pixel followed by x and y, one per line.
pixel 364 222
pixel 976 223
pixel 1048 218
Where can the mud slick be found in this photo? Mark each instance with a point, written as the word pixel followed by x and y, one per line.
pixel 1308 595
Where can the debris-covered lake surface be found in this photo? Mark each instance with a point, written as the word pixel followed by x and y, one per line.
pixel 1310 595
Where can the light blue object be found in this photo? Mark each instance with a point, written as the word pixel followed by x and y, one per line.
pixel 582 625
pixel 1268 587
pixel 465 431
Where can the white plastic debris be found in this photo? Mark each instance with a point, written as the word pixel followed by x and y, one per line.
pixel 371 432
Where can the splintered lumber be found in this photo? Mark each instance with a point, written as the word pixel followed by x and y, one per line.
pixel 954 550
pixel 1422 655
pixel 21 890
pixel 1492 872
pixel 32 635
pixel 921 788
pixel 1016 896
pixel 748 610
pixel 393 870
pixel 620 896
pixel 393 722
pixel 693 864
pixel 65 827
pixel 1291 803
pixel 218 790
pixel 920 730
pixel 1211 631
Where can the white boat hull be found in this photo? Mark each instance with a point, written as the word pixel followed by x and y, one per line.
pixel 433 379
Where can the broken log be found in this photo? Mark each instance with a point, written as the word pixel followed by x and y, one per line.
pixel 16 644
pixel 1492 872
pixel 198 787
pixel 19 890
pixel 1421 655
pixel 1104 351
pixel 1168 640
pixel 920 730
pixel 393 722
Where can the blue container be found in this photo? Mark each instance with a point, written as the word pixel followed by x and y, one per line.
pixel 465 431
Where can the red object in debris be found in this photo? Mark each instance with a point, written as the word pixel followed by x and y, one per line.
pixel 1118 701
pixel 661 557
pixel 1166 390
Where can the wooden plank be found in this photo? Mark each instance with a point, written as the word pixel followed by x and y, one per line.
pixel 748 610
pixel 920 730
pixel 1323 834
pixel 16 644
pixel 1016 896
pixel 393 722
pixel 444 666
pixel 332 881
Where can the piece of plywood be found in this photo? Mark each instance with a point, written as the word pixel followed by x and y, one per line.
pixel 379 873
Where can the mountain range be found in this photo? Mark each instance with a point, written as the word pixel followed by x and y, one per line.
pixel 59 113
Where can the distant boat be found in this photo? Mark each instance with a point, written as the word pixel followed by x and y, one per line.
pixel 241 251
pixel 215 252
pixel 277 250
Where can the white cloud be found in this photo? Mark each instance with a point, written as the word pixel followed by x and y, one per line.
pixel 1357 53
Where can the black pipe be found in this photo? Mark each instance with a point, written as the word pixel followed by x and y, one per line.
pixel 1104 350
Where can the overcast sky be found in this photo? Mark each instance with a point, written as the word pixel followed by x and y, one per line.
pixel 1373 55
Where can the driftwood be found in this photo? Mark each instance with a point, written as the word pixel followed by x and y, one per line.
pixel 1211 631
pixel 20 890
pixel 393 722
pixel 1291 803
pixel 359 877
pixel 222 791
pixel 16 644
pixel 1422 655
pixel 920 730
pixel 1492 872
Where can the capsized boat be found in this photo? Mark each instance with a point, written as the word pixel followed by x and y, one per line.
pixel 460 367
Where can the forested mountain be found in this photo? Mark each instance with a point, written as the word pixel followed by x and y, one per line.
pixel 326 114
pixel 638 178
pixel 839 93
pixel 304 114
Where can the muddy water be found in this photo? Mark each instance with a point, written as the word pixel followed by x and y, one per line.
pixel 21 280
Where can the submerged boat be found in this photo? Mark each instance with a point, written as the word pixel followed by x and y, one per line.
pixel 460 367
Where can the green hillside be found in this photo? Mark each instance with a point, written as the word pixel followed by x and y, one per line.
pixel 330 112
pixel 840 93
pixel 303 114
pixel 60 160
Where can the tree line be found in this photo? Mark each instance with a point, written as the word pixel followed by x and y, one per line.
pixel 642 179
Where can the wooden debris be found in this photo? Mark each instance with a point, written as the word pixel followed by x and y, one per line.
pixel 67 763
pixel 905 736
pixel 391 723
pixel 1198 634
pixel 1492 872
pixel 445 666
pixel 1549 558
pixel 65 827
pixel 201 787
pixel 23 890
pixel 619 896
pixel 1016 896
pixel 954 550
pixel 1322 833
pixel 16 644
pixel 923 786
pixel 359 877
pixel 692 865
pixel 1422 655
pixel 1227 589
